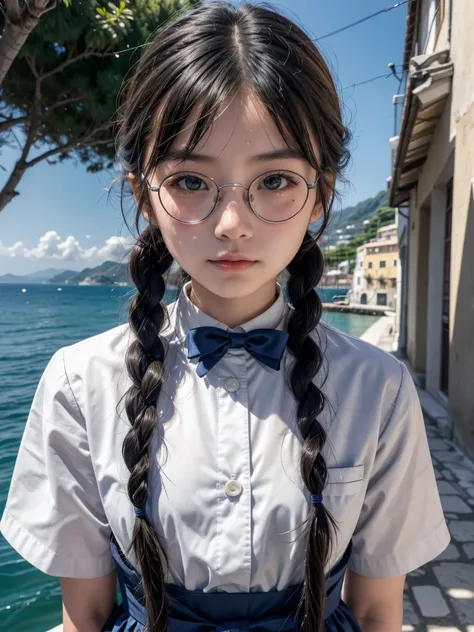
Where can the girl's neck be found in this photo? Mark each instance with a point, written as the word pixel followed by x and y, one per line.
pixel 232 312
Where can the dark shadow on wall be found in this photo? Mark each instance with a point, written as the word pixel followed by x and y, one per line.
pixel 461 361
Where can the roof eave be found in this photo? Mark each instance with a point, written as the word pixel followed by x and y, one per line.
pixel 428 87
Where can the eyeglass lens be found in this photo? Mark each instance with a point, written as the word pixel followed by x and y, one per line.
pixel 274 196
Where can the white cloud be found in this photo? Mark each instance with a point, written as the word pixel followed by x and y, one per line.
pixel 17 250
pixel 53 246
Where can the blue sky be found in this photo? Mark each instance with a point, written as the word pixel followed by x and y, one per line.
pixel 62 212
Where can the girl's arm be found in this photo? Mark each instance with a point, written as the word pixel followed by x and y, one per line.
pixel 87 603
pixel 377 603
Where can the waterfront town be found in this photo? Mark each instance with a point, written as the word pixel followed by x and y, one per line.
pixel 371 277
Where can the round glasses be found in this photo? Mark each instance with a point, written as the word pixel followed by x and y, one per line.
pixel 275 196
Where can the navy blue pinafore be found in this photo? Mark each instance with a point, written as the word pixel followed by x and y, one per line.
pixel 197 611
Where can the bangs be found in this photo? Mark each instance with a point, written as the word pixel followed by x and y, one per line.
pixel 174 113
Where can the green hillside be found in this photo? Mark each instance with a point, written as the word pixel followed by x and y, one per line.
pixel 347 252
pixel 349 222
pixel 108 273
pixel 365 209
pixel 63 277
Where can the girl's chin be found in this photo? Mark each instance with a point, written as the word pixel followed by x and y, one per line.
pixel 233 286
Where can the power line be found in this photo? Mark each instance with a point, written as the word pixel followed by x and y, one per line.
pixel 361 83
pixel 369 17
pixel 318 39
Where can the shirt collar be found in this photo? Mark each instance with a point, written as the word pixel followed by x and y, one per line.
pixel 186 315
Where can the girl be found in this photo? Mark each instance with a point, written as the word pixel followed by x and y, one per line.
pixel 230 458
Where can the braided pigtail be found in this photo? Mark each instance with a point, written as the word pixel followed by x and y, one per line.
pixel 149 260
pixel 305 272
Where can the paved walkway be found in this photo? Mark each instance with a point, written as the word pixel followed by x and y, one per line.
pixel 439 597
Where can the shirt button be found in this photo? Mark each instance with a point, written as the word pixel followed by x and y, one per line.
pixel 233 488
pixel 231 384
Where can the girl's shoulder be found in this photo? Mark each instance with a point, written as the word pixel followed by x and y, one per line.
pixel 105 350
pixel 99 360
pixel 108 349
pixel 352 346
pixel 350 360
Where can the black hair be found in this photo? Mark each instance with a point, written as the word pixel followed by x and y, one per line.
pixel 202 58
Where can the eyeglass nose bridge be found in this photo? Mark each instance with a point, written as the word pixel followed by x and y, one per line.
pixel 233 184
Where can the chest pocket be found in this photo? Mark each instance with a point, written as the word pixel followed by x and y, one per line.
pixel 344 481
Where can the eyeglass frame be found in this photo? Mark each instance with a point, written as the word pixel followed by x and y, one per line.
pixel 231 184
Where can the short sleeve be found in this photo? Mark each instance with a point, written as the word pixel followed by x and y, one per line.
pixel 54 516
pixel 401 525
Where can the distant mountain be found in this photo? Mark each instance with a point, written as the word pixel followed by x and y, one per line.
pixel 63 277
pixel 45 275
pixel 41 276
pixel 108 273
pixel 13 278
pixel 348 222
pixel 362 211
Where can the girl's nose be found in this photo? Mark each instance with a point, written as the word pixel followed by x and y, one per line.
pixel 234 216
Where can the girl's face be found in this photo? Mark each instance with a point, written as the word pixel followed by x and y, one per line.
pixel 242 132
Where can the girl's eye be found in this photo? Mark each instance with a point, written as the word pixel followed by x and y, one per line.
pixel 274 181
pixel 188 183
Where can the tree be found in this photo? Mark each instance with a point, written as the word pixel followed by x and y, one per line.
pixel 60 96
pixel 18 22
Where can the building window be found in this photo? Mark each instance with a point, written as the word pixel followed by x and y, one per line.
pixel 395 263
pixel 446 285
pixel 358 280
pixel 381 299
pixel 370 264
pixel 382 264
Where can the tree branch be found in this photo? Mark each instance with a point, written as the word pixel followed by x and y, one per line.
pixel 19 22
pixel 13 10
pixel 75 144
pixel 37 8
pixel 5 125
pixel 58 104
pixel 31 61
pixel 11 122
pixel 72 60
pixel 34 118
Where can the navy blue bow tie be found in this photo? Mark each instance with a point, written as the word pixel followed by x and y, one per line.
pixel 210 344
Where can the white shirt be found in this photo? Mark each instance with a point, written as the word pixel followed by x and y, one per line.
pixel 234 429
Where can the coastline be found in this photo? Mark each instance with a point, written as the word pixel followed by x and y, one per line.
pixel 357 308
pixel 382 333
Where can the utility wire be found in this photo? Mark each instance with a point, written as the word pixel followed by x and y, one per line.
pixel 318 39
pixel 369 17
pixel 361 83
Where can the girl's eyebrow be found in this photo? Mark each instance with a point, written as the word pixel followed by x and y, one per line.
pixel 278 154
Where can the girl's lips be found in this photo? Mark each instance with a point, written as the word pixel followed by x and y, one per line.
pixel 233 266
